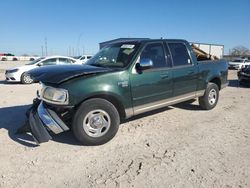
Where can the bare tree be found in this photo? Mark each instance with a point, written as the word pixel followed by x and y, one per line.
pixel 239 51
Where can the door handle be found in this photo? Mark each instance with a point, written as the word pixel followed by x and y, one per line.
pixel 164 75
pixel 190 72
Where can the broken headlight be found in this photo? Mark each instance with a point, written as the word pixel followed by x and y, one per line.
pixel 54 95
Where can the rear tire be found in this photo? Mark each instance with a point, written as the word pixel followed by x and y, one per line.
pixel 209 100
pixel 95 122
pixel 26 79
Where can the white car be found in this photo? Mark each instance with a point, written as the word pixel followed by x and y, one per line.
pixel 83 58
pixel 238 63
pixel 18 74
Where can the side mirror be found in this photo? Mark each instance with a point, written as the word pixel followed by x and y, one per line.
pixel 40 64
pixel 145 63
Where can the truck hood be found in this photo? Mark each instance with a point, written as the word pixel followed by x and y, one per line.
pixel 57 74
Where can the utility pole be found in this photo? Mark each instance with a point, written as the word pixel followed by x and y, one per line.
pixel 78 43
pixel 46 48
pixel 42 50
pixel 83 51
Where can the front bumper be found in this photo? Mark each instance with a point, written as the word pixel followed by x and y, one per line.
pixel 234 66
pixel 42 121
pixel 12 77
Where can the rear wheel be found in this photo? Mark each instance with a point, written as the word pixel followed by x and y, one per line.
pixel 209 100
pixel 26 79
pixel 96 122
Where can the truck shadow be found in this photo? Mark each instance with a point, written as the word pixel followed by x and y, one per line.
pixel 187 105
pixel 12 118
pixel 233 83
pixel 146 114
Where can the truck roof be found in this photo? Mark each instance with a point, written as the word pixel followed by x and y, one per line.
pixel 124 40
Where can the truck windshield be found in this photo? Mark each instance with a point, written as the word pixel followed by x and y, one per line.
pixel 116 55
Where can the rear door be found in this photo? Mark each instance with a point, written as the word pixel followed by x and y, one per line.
pixel 185 73
pixel 151 87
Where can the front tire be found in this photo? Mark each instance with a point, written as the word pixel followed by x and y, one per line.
pixel 209 100
pixel 26 79
pixel 95 122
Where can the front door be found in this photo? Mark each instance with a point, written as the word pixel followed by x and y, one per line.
pixel 152 86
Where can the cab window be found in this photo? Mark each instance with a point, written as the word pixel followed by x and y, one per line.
pixel 179 54
pixel 154 52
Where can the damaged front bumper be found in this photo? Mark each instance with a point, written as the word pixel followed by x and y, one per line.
pixel 43 120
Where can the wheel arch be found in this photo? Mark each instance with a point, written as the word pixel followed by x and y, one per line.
pixel 21 75
pixel 112 99
pixel 216 80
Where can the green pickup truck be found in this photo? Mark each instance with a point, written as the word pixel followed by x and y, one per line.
pixel 122 80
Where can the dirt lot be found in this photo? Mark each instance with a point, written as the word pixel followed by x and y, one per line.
pixel 179 146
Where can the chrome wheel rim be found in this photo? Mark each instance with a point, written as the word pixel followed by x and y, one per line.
pixel 212 96
pixel 96 123
pixel 27 79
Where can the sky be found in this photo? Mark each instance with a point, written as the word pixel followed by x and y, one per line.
pixel 73 27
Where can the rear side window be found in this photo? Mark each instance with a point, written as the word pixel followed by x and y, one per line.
pixel 49 62
pixel 65 61
pixel 179 54
pixel 155 52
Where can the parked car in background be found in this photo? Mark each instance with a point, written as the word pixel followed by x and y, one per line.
pixel 14 59
pixel 3 58
pixel 6 56
pixel 32 59
pixel 244 75
pixel 18 74
pixel 83 58
pixel 238 63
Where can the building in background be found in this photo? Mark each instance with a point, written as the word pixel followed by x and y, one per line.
pixel 212 49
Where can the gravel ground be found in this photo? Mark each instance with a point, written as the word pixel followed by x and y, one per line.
pixel 178 146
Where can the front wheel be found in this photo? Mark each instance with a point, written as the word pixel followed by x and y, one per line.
pixel 209 100
pixel 95 122
pixel 26 79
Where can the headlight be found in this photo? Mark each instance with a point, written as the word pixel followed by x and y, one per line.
pixel 54 95
pixel 12 71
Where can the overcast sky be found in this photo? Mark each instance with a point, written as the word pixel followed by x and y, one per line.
pixel 76 25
